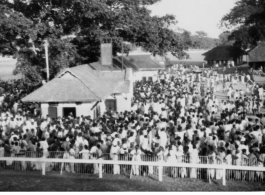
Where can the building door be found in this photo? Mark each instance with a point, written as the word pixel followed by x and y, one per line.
pixel 52 112
pixel 150 79
pixel 67 111
pixel 110 105
pixel 97 112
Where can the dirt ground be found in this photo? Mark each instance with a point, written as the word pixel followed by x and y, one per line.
pixel 34 181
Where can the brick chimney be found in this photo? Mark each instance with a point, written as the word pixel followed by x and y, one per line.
pixel 128 74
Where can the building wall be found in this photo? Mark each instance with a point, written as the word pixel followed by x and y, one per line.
pixel 123 102
pixel 44 109
pixel 82 109
pixel 138 76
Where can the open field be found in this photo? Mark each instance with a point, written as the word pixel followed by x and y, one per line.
pixel 6 69
pixel 34 181
pixel 195 55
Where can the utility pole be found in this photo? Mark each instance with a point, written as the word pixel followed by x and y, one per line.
pixel 46 45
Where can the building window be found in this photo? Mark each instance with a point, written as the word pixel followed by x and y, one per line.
pixel 110 105
pixel 67 111
pixel 150 78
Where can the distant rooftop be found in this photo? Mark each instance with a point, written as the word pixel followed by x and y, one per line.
pixel 258 53
pixel 223 53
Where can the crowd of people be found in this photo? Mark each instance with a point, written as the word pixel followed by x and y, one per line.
pixel 176 118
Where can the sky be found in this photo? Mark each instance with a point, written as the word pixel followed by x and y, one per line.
pixel 196 15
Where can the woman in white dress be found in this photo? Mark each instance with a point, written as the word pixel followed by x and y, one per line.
pixel 171 158
pixel 220 160
pixel 72 156
pixel 179 154
pixel 194 159
pixel 136 156
pixel 211 160
pixel 94 156
pixel 238 163
pixel 228 161
pixel 65 156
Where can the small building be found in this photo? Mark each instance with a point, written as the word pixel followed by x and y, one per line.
pixel 224 55
pixel 143 66
pixel 83 91
pixel 256 57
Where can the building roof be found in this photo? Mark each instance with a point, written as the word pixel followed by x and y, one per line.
pixel 98 66
pixel 223 53
pixel 80 84
pixel 141 62
pixel 258 53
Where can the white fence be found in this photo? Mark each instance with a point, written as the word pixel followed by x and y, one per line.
pixel 160 165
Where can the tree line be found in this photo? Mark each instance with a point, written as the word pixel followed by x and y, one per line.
pixel 75 29
pixel 245 23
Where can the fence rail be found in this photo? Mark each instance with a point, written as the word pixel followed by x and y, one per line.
pixel 222 169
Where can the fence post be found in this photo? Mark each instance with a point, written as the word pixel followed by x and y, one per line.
pixel 43 168
pixel 209 175
pixel 224 177
pixel 100 170
pixel 160 173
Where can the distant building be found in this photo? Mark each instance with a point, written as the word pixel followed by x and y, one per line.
pixel 256 56
pixel 143 66
pixel 83 91
pixel 224 55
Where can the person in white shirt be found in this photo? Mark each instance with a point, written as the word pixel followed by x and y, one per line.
pixel 163 137
pixel 44 145
pixel 114 152
pixel 213 109
pixel 117 140
pixel 85 152
pixel 43 125
pixel 261 92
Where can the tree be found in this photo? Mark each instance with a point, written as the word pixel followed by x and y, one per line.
pixel 201 41
pixel 224 39
pixel 247 19
pixel 186 38
pixel 201 34
pixel 88 21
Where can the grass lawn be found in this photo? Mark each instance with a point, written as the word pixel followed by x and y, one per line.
pixel 34 181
